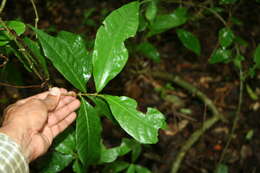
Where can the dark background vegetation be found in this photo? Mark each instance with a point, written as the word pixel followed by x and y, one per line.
pixel 220 82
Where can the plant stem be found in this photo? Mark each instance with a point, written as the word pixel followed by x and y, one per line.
pixel 36 14
pixel 2 6
pixel 22 49
pixel 235 122
pixel 206 125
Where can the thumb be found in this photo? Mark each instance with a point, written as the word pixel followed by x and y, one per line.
pixel 52 99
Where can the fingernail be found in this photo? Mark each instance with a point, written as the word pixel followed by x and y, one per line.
pixel 54 91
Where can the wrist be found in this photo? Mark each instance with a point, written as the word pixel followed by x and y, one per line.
pixel 19 136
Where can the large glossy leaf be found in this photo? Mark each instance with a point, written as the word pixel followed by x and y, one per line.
pixel 65 143
pixel 167 21
pixel 189 40
pixel 220 55
pixel 226 37
pixel 88 134
pixel 68 54
pixel 257 56
pixel 53 162
pixel 36 50
pixel 142 127
pixel 149 51
pixel 110 54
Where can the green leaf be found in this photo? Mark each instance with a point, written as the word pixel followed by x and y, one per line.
pixel 151 11
pixel 53 162
pixel 257 56
pixel 220 55
pixel 167 21
pixel 17 26
pixel 77 167
pixel 222 169
pixel 131 169
pixel 149 51
pixel 65 143
pixel 111 154
pixel 227 1
pixel 226 37
pixel 110 54
pixel 143 128
pixel 189 40
pixel 68 54
pixel 141 169
pixel 102 108
pixel 127 145
pixel 36 50
pixel 115 167
pixel 88 134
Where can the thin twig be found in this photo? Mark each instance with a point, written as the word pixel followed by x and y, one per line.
pixel 234 126
pixel 22 49
pixel 36 14
pixel 2 6
pixel 6 59
pixel 20 86
pixel 206 125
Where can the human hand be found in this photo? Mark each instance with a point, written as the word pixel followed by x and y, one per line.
pixel 34 122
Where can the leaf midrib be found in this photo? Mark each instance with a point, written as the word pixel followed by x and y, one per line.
pixel 112 45
pixel 68 66
pixel 133 115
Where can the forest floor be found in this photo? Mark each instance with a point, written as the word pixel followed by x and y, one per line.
pixel 184 112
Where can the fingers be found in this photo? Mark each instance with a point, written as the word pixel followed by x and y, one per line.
pixel 64 100
pixel 62 125
pixel 52 99
pixel 63 112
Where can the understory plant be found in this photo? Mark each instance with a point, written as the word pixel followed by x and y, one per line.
pixel 82 145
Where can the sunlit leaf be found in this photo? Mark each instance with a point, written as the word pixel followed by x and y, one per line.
pixel 149 51
pixel 88 134
pixel 167 21
pixel 226 37
pixel 151 10
pixel 257 56
pixel 110 54
pixel 53 162
pixel 142 127
pixel 68 54
pixel 220 55
pixel 189 40
pixel 65 143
